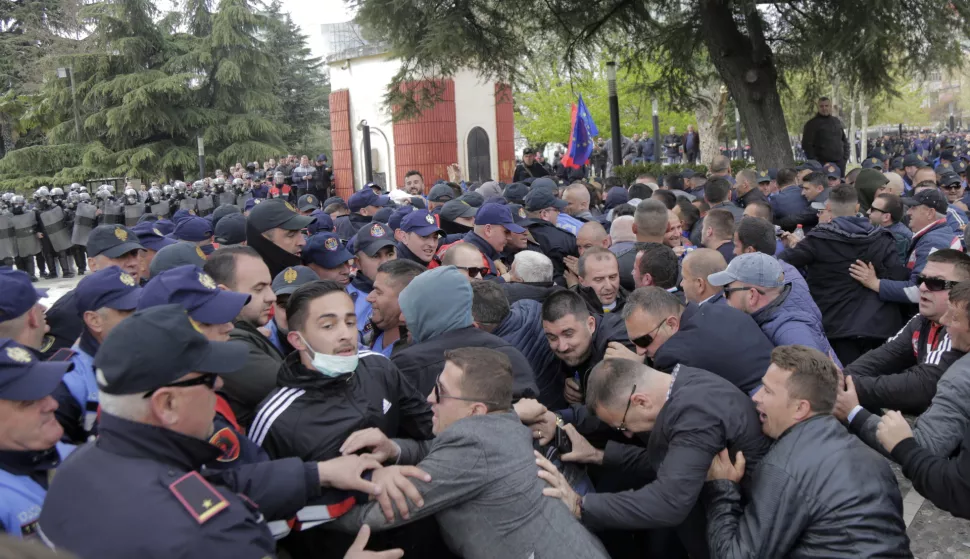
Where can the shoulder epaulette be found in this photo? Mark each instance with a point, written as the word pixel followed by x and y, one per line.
pixel 64 354
pixel 198 496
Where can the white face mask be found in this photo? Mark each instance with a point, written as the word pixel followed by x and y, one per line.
pixel 331 365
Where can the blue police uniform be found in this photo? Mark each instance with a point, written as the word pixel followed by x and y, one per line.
pixel 788 202
pixel 358 289
pixel 24 478
pixel 568 223
pixel 83 388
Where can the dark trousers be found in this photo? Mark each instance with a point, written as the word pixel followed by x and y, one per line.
pixel 80 258
pixel 25 264
pixel 850 349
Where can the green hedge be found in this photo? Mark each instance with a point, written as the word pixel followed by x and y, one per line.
pixel 629 173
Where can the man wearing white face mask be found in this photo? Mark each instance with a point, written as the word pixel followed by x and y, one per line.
pixel 327 390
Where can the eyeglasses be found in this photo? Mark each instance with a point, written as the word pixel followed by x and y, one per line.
pixel 957 186
pixel 875 209
pixel 208 379
pixel 474 271
pixel 936 284
pixel 729 290
pixel 645 340
pixel 438 395
pixel 629 401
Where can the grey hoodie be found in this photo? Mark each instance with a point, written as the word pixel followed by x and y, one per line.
pixel 435 302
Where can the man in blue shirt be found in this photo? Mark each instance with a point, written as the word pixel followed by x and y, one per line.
pixel 374 245
pixel 29 435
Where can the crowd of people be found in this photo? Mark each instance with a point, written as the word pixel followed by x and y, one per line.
pixel 687 366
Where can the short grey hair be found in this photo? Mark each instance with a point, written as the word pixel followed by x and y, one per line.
pixel 655 301
pixel 133 407
pixel 532 267
pixel 612 380
pixel 650 218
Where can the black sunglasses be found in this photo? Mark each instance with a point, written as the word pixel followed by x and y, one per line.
pixel 936 284
pixel 629 401
pixel 645 340
pixel 875 209
pixel 208 379
pixel 438 395
pixel 474 271
pixel 957 186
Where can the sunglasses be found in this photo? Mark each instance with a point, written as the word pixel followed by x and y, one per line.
pixel 952 187
pixel 474 271
pixel 645 340
pixel 875 209
pixel 208 379
pixel 936 284
pixel 629 401
pixel 439 395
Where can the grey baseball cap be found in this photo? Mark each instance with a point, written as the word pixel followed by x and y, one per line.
pixel 754 268
pixel 441 192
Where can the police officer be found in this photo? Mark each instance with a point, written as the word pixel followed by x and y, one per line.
pixel 29 435
pixel 543 210
pixel 529 167
pixel 28 243
pixel 157 408
pixel 213 311
pixel 374 245
pixel 284 284
pixel 22 316
pixel 328 258
pixel 103 300
pixel 108 245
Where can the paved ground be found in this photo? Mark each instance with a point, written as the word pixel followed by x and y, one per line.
pixel 935 534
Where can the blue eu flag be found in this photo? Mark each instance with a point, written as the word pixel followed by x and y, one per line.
pixel 581 139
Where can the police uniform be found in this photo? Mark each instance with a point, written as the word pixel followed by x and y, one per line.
pixel 556 243
pixel 152 499
pixel 25 475
pixel 370 240
pixel 77 411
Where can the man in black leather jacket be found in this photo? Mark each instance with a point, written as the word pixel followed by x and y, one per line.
pixel 818 492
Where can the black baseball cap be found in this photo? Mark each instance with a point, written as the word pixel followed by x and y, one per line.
pixel 896 164
pixel 809 164
pixel 931 198
pixel 277 213
pixel 157 346
pixel 914 160
pixel 372 237
pixel 112 241
pixel 832 171
pixel 441 192
pixel 456 208
pixel 516 192
pixel 24 377
pixel 528 151
pixel 308 202
pixel 287 281
pixel 542 199
pixel 949 177
pixel 231 230
pixel 179 254
pixel 473 199
pixel 763 176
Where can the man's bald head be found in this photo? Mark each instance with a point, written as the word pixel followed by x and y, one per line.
pixel 577 196
pixel 697 266
pixel 590 235
pixel 622 229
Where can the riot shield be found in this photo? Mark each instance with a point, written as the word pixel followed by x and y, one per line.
pixel 204 206
pixel 162 209
pixel 242 199
pixel 132 213
pixel 227 198
pixel 8 237
pixel 85 219
pixel 114 213
pixel 187 204
pixel 56 228
pixel 25 225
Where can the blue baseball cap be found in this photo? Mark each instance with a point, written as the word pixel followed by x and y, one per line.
pixel 151 237
pixel 326 250
pixel 112 241
pixel 308 202
pixel 177 255
pixel 17 294
pixel 497 214
pixel 363 198
pixel 383 215
pixel 24 377
pixel 179 215
pixel 541 199
pixel 287 281
pixel 166 226
pixel 516 192
pixel 323 222
pixel 384 201
pixel 231 230
pixel 249 205
pixel 193 228
pixel 832 171
pixel 394 222
pixel 872 163
pixel 418 203
pixel 371 238
pixel 158 346
pixel 196 292
pixel 420 222
pixel 222 211
pixel 109 288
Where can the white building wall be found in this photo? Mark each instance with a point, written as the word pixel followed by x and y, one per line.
pixel 367 79
pixel 475 106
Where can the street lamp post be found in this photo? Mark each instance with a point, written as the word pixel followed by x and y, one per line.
pixel 737 130
pixel 368 165
pixel 201 157
pixel 656 131
pixel 614 113
pixel 69 73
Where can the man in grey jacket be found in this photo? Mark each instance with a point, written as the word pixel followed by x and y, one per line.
pixel 818 492
pixel 941 428
pixel 483 491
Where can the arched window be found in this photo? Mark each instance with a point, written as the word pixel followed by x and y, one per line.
pixel 479 156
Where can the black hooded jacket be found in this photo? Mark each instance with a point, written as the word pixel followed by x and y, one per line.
pixel 275 258
pixel 849 309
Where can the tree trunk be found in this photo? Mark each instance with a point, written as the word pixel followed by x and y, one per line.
pixel 7 133
pixel 851 132
pixel 710 118
pixel 747 68
pixel 864 139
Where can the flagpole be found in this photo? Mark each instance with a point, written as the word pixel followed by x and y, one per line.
pixel 614 114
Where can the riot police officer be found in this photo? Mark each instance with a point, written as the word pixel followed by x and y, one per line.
pixel 56 232
pixel 85 220
pixel 157 406
pixel 28 243
pixel 27 418
pixel 8 235
pixel 134 207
